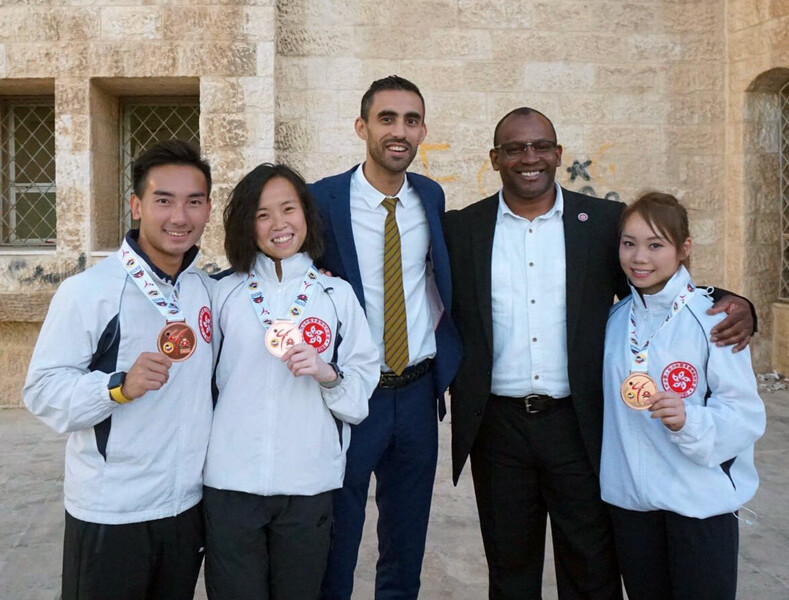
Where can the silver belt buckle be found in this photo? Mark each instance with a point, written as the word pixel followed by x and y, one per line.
pixel 527 403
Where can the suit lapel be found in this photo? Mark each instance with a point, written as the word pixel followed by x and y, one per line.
pixel 482 234
pixel 340 215
pixel 576 233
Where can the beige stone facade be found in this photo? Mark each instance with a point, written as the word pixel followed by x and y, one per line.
pixel 677 95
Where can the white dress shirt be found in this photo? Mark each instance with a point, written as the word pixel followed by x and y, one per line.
pixel 528 294
pixel 367 219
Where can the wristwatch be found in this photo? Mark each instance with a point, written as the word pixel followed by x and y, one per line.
pixel 116 385
pixel 340 376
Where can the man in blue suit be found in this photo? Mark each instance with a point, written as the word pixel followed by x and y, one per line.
pixel 381 220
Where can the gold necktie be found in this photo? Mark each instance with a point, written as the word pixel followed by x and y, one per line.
pixel 395 327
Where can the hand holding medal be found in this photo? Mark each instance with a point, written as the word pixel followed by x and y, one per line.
pixel 669 407
pixel 149 372
pixel 303 359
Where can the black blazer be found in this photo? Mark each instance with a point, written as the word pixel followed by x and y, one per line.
pixel 594 277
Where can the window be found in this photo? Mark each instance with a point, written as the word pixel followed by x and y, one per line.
pixel 27 172
pixel 783 98
pixel 145 122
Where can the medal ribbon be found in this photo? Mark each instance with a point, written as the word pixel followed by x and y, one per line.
pixel 638 363
pixel 262 310
pixel 134 267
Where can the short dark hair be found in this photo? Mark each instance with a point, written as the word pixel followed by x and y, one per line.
pixel 239 216
pixel 393 82
pixel 664 215
pixel 523 111
pixel 168 152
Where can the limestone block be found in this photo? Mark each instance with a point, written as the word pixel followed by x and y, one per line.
pixel 336 73
pixel 765 229
pixel 627 138
pixel 686 78
pixel 71 96
pixel 780 337
pixel 107 59
pixel 259 24
pixel 696 108
pixel 492 13
pixel 258 94
pixel 2 62
pixel 72 132
pixel 260 126
pixel 762 108
pixel 290 73
pixel 25 307
pixel 585 108
pixel 697 17
pixel 760 259
pixel 265 53
pixel 132 23
pixel 746 13
pixel 440 75
pixel 482 76
pixel 220 131
pixel 705 230
pixel 654 47
pixel 26 24
pixel 349 104
pixel 339 136
pixel 218 59
pixel 762 137
pixel 46 60
pixel 499 104
pixel 706 264
pixel 255 156
pixel 695 139
pixel 378 42
pixel 221 95
pixel 456 42
pixel 439 13
pixel 558 76
pixel 536 46
pixel 302 41
pixel 639 108
pixel 631 78
pixel 155 60
pixel 295 136
pixel 309 104
pixel 227 167
pixel 448 106
pixel 595 46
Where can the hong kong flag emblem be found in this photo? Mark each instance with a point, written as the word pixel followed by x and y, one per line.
pixel 316 333
pixel 204 324
pixel 681 378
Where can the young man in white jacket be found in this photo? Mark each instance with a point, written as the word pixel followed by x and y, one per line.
pixel 123 363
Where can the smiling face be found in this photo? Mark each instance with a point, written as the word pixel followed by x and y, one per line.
pixel 394 128
pixel 648 259
pixel 173 211
pixel 280 226
pixel 528 178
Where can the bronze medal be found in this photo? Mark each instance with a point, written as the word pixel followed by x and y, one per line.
pixel 281 336
pixel 177 341
pixel 637 390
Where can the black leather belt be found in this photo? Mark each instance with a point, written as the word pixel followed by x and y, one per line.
pixel 534 404
pixel 390 381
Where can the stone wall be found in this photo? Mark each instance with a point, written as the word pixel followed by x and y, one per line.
pixel 90 55
pixel 650 94
pixel 758 66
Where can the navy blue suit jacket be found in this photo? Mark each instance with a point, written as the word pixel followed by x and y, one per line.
pixel 333 195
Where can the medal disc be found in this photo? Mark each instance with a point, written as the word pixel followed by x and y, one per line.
pixel 281 336
pixel 177 341
pixel 637 390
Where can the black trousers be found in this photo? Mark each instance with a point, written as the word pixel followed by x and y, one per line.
pixel 151 560
pixel 526 466
pixel 665 556
pixel 265 547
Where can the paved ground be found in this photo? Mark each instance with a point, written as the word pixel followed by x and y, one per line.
pixel 31 520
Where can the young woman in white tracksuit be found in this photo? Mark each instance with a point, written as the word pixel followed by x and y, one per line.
pixel 296 364
pixel 681 418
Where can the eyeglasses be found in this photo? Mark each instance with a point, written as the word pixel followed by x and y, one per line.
pixel 518 149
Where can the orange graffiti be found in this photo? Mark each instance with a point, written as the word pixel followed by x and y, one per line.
pixel 423 149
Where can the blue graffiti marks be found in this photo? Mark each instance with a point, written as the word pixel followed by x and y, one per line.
pixel 578 169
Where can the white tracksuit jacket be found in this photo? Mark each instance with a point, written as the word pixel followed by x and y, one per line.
pixel 645 466
pixel 142 460
pixel 274 433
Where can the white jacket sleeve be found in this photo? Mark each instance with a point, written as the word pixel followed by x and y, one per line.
pixel 734 417
pixel 357 357
pixel 59 389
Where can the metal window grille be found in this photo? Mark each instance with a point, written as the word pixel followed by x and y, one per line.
pixel 783 290
pixel 27 172
pixel 145 122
